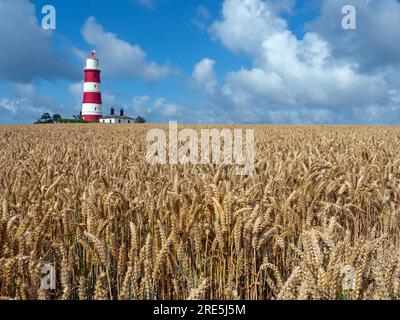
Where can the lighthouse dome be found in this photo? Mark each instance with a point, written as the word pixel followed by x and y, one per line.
pixel 92 63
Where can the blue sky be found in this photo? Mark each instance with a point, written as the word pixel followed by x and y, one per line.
pixel 203 61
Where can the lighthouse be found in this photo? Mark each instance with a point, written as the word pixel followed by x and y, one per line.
pixel 92 104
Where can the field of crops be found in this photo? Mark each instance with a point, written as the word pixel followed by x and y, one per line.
pixel 318 219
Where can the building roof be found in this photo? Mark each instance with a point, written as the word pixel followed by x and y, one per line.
pixel 114 116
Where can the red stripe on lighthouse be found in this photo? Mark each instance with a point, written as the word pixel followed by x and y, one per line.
pixel 92 97
pixel 91 118
pixel 92 76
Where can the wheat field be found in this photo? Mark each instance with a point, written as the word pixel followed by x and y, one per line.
pixel 318 219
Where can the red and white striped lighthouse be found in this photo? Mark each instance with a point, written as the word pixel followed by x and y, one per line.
pixel 92 104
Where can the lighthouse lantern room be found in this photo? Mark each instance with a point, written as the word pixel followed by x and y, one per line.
pixel 92 103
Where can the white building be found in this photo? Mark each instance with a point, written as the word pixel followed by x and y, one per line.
pixel 113 118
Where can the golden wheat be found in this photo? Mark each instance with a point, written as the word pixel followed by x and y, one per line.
pixel 318 219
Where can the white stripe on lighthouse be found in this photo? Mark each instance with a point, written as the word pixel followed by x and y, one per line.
pixel 92 64
pixel 91 87
pixel 91 109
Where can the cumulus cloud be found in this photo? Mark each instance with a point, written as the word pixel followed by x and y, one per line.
pixel 140 104
pixel 11 105
pixel 27 52
pixel 120 58
pixel 205 76
pixel 25 110
pixel 23 89
pixel 292 79
pixel 24 104
pixel 375 41
pixel 282 6
pixel 246 23
pixel 156 110
pixel 186 111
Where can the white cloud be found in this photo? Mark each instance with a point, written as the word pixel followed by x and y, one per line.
pixel 156 110
pixel 24 104
pixel 11 106
pixel 374 44
pixel 120 58
pixel 246 23
pixel 140 104
pixel 166 108
pixel 27 52
pixel 205 76
pixel 282 6
pixel 23 89
pixel 291 79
